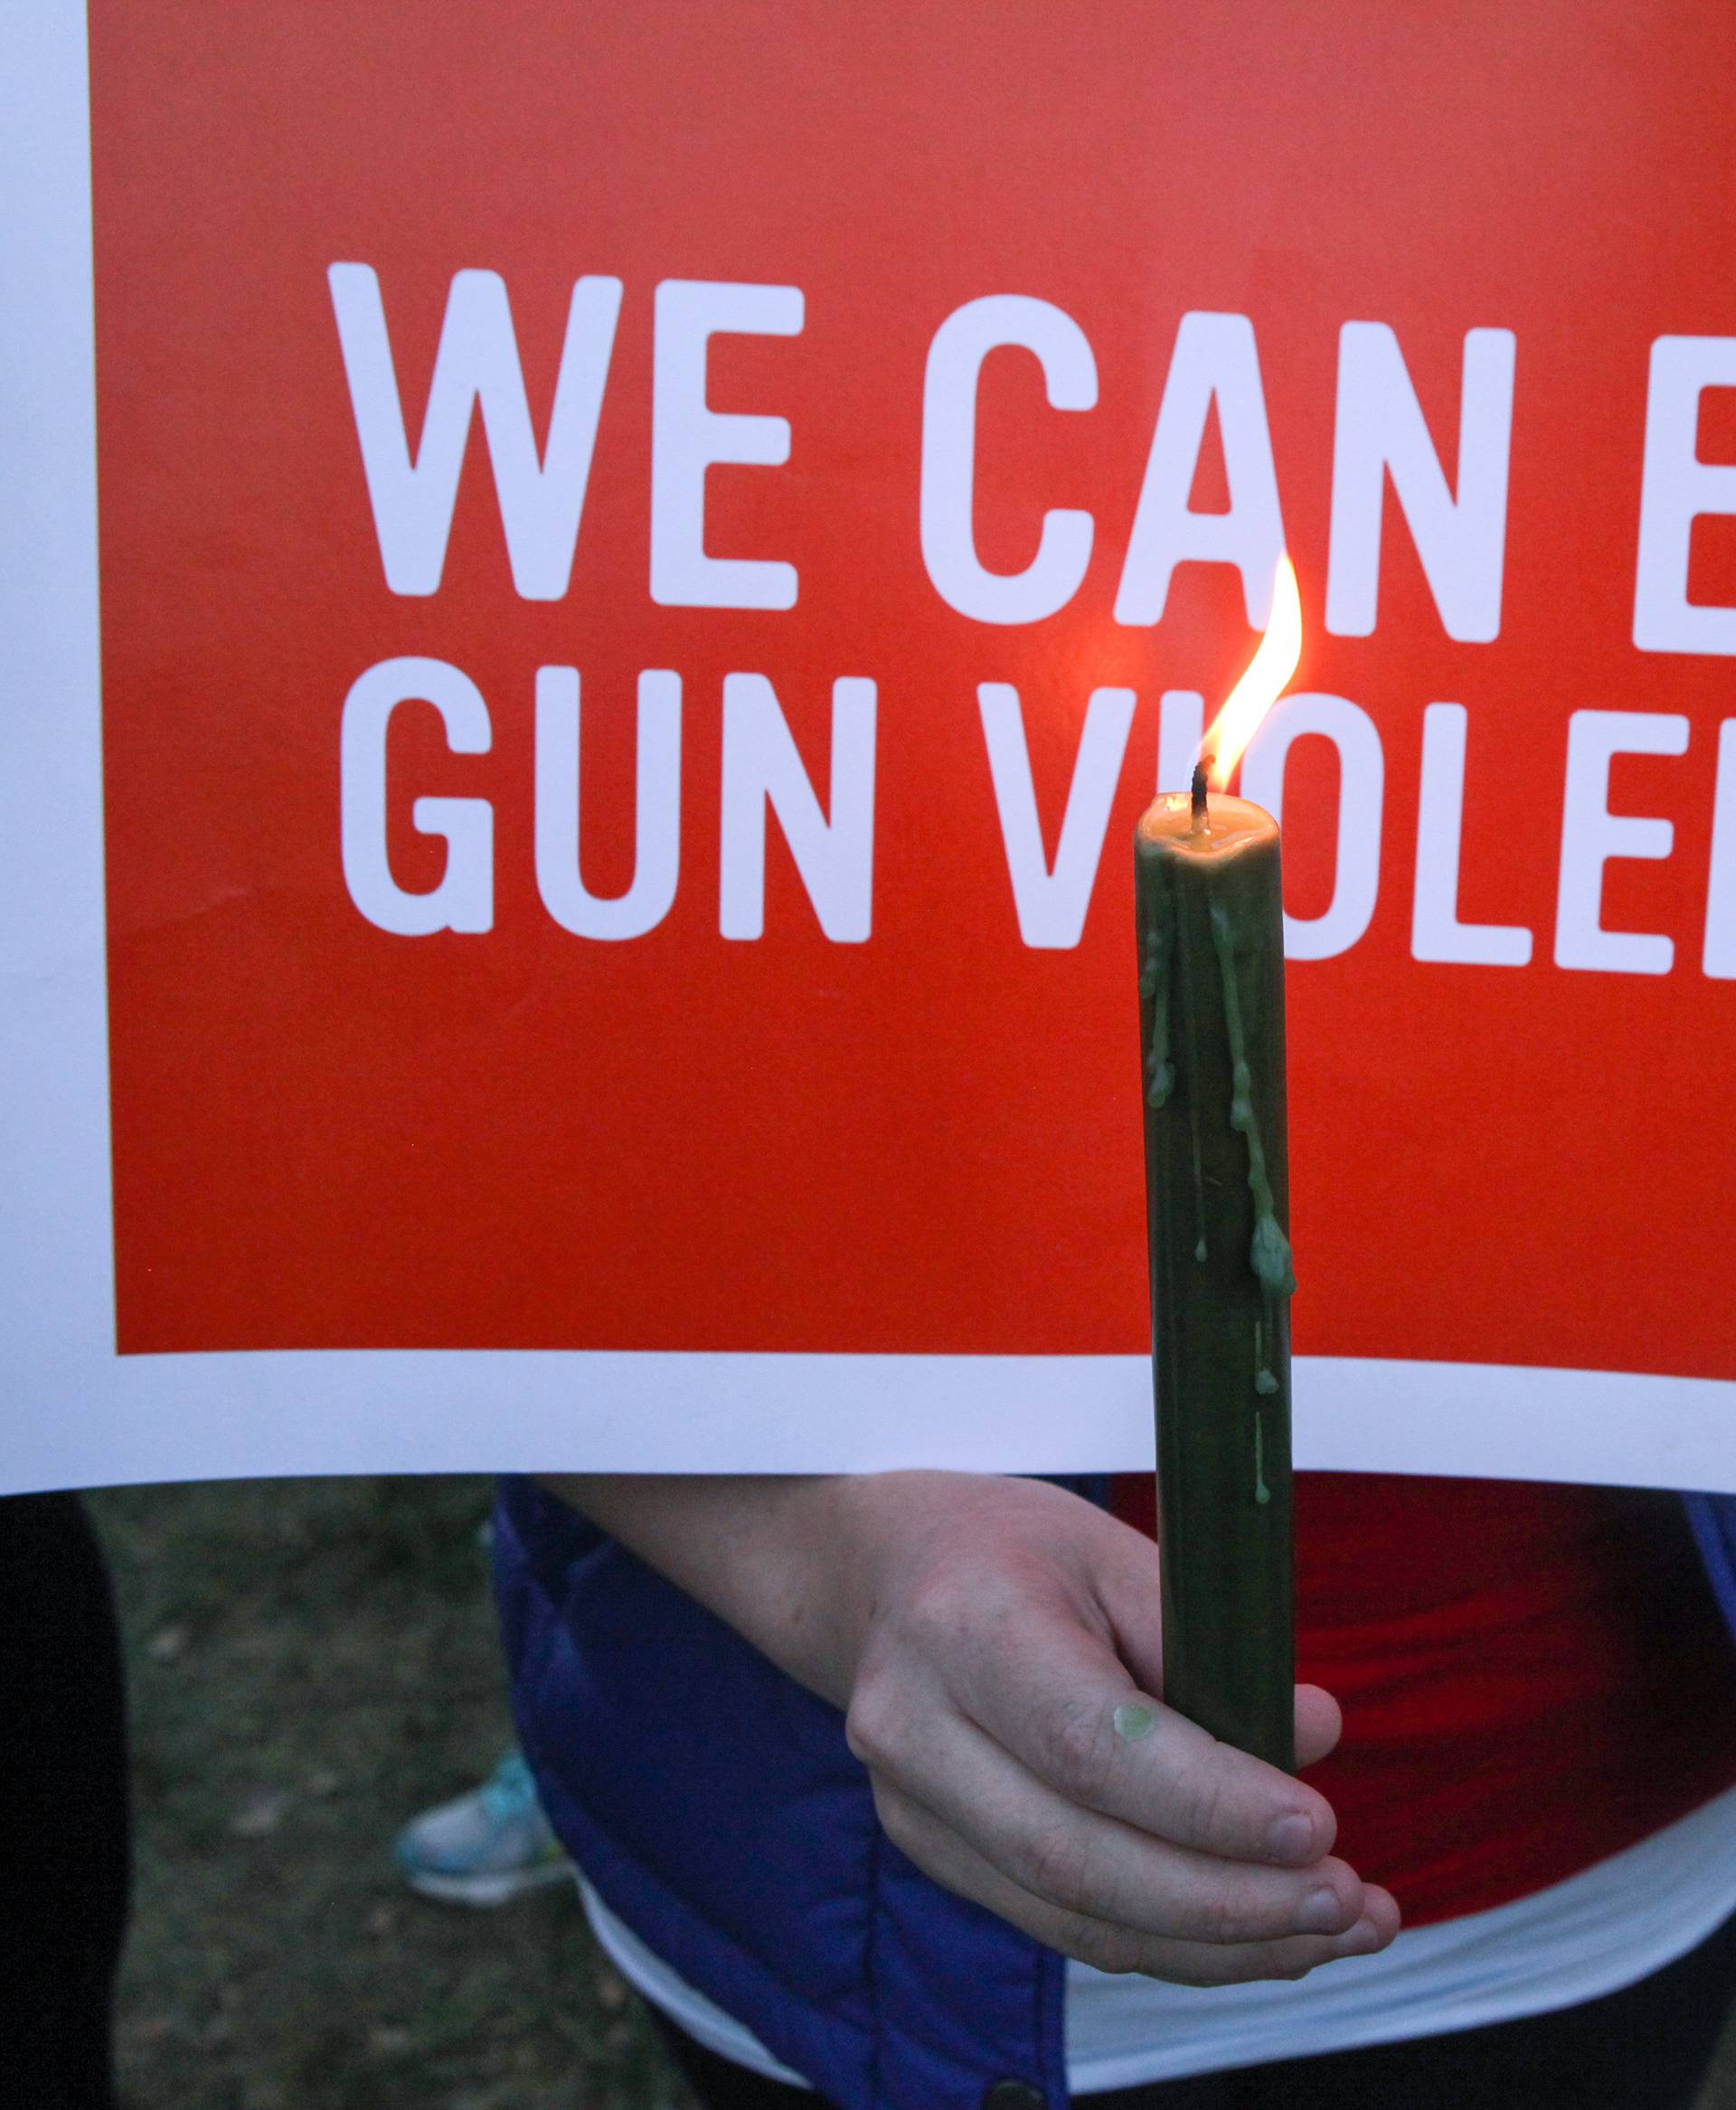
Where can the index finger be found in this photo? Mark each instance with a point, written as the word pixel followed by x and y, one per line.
pixel 1055 1695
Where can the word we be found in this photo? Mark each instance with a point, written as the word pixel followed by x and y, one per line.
pixel 1380 436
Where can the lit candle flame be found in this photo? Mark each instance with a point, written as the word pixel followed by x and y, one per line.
pixel 1269 671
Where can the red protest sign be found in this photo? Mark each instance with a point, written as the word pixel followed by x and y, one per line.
pixel 640 558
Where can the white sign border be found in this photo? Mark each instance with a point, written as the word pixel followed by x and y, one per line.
pixel 78 1415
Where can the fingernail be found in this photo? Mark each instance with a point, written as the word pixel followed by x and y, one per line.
pixel 1364 1938
pixel 1134 1722
pixel 1322 1912
pixel 1291 1838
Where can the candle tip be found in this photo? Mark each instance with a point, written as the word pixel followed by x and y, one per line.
pixel 1201 813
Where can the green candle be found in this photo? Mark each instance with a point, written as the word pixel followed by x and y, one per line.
pixel 1211 934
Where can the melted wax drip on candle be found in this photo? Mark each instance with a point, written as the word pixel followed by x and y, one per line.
pixel 1265 1383
pixel 1160 1070
pixel 1202 825
pixel 1269 1254
pixel 1154 984
pixel 1193 1107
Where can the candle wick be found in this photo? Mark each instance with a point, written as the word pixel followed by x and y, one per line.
pixel 1202 816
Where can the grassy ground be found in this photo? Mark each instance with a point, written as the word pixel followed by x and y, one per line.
pixel 312 1662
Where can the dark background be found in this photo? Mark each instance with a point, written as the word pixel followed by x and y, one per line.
pixel 312 1662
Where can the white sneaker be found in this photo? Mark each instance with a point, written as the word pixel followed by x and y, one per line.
pixel 486 1847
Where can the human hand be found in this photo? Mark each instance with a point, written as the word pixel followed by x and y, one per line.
pixel 998 1645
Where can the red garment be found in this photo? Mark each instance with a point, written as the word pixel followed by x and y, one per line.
pixel 1533 1677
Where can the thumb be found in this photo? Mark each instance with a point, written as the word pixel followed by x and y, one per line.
pixel 1319 1724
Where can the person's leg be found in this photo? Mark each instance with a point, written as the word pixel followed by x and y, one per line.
pixel 64 1822
pixel 1646 2048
